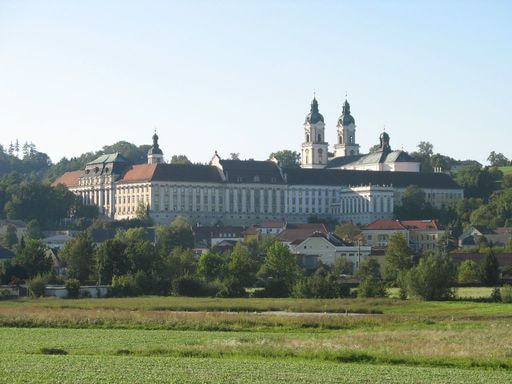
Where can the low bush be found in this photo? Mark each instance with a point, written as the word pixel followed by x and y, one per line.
pixel 189 286
pixel 506 293
pixel 371 287
pixel 496 294
pixel 125 285
pixel 231 287
pixel 37 285
pixel 276 288
pixel 73 288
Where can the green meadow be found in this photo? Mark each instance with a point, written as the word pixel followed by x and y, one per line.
pixel 210 340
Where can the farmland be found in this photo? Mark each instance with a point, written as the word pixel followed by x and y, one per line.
pixel 176 339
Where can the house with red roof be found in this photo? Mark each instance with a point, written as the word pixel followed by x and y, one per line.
pixel 421 235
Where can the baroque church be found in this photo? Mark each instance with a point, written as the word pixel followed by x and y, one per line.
pixel 314 151
pixel 346 187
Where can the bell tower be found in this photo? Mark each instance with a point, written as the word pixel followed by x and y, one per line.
pixel 346 140
pixel 314 148
pixel 155 154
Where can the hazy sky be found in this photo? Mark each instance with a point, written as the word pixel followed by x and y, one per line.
pixel 239 76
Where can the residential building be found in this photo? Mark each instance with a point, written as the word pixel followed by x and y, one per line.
pixel 326 248
pixel 471 237
pixel 421 235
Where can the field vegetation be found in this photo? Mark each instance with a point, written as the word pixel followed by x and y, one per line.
pixel 177 339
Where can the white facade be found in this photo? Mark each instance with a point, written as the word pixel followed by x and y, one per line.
pixel 346 144
pixel 321 249
pixel 314 150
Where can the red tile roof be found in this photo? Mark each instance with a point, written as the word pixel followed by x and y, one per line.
pixel 385 224
pixel 403 224
pixel 139 173
pixel 420 224
pixel 69 179
pixel 295 232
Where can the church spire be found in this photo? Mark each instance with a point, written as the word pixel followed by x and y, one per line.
pixel 314 149
pixel 155 154
pixel 314 116
pixel 346 144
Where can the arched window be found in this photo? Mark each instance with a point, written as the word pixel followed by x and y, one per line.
pixel 340 139
pixel 307 137
pixel 351 139
pixel 319 138
pixel 320 155
pixel 306 152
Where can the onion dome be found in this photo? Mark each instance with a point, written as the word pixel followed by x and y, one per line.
pixel 155 148
pixel 346 118
pixel 314 116
pixel 384 142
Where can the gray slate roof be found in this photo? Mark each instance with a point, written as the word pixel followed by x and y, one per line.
pixel 299 176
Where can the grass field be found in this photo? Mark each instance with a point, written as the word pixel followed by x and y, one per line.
pixel 129 369
pixel 175 339
pixel 506 170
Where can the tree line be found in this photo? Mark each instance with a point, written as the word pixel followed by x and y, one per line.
pixel 136 262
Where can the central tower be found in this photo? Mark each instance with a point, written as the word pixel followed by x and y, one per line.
pixel 155 154
pixel 314 148
pixel 346 143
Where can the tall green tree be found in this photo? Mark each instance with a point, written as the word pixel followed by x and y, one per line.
pixel 433 277
pixel 33 257
pixel 479 182
pixel 490 269
pixel 280 265
pixel 397 258
pixel 180 159
pixel 414 205
pixel 371 284
pixel 498 159
pixel 178 234
pixel 212 265
pixel 33 230
pixel 78 254
pixel 110 260
pixel 243 265
pixel 9 239
pixel 286 158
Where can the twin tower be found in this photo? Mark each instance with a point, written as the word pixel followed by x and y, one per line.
pixel 314 151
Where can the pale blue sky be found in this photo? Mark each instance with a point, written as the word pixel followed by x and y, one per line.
pixel 238 76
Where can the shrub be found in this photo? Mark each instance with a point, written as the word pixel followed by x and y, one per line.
pixel 231 287
pixel 189 286
pixel 277 288
pixel 73 288
pixel 5 294
pixel 506 293
pixel 125 285
pixel 496 294
pixel 468 272
pixel 37 285
pixel 371 287
pixel 321 286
